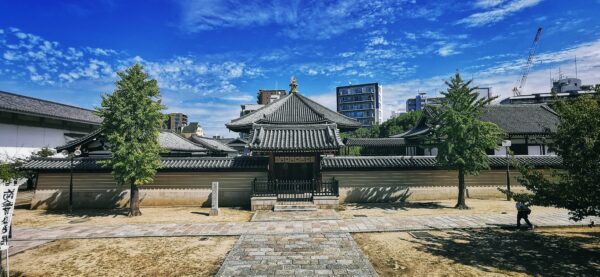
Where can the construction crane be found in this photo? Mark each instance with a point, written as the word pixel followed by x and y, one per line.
pixel 517 89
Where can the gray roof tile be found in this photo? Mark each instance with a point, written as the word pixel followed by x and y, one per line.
pixel 189 163
pixel 212 144
pixel 374 162
pixel 167 139
pixel 383 142
pixel 292 109
pixel 522 119
pixel 19 103
pixel 273 137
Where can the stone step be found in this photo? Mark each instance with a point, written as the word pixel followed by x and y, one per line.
pixel 294 207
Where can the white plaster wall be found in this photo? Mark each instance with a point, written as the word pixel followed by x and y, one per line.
pixel 534 150
pixel 18 141
pixel 501 151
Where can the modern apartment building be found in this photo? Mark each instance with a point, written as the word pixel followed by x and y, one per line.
pixel 266 96
pixel 176 121
pixel 420 101
pixel 363 102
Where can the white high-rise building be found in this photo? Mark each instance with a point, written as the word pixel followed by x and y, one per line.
pixel 363 102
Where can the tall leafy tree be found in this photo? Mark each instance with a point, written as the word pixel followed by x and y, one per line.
pixel 576 187
pixel 131 120
pixel 399 124
pixel 461 137
pixel 9 171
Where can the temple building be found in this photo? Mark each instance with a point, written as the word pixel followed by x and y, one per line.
pixel 528 127
pixel 293 156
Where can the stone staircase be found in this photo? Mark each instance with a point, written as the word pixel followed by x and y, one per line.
pixel 294 206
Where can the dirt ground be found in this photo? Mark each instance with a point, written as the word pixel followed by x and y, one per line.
pixel 31 218
pixel 198 256
pixel 494 252
pixel 432 207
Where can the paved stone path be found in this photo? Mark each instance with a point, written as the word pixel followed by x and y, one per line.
pixel 315 254
pixel 368 224
pixel 306 254
pixel 295 216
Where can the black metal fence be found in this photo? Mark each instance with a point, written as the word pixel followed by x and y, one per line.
pixel 295 190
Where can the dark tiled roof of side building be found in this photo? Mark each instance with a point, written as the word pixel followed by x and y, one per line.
pixel 518 119
pixel 293 109
pixel 176 163
pixel 522 118
pixel 167 139
pixel 212 144
pixel 408 162
pixel 33 106
pixel 379 142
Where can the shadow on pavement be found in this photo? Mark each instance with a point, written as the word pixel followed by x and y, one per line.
pixel 535 253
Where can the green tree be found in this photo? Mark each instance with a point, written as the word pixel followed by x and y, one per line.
pixel 577 141
pixel 44 152
pixel 131 120
pixel 9 171
pixel 399 124
pixel 460 136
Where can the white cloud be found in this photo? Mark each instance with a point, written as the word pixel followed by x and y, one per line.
pixel 448 50
pixel 320 20
pixel 347 54
pixel 503 76
pixel 47 62
pixel 497 13
pixel 488 3
pixel 10 55
pixel 100 51
pixel 378 41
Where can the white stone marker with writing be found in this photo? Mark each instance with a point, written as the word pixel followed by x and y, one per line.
pixel 214 211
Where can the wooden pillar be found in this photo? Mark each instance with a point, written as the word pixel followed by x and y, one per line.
pixel 317 166
pixel 271 174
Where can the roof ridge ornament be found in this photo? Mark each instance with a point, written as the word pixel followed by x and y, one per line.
pixel 293 85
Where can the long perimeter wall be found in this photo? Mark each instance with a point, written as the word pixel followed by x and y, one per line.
pixel 431 184
pixel 99 190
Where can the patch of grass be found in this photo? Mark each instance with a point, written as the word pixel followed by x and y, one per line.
pixel 33 218
pixel 187 256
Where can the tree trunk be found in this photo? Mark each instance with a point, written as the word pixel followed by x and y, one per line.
pixel 461 204
pixel 134 200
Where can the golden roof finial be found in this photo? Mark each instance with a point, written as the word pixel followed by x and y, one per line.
pixel 293 85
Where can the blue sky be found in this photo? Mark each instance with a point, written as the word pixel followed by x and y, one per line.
pixel 211 56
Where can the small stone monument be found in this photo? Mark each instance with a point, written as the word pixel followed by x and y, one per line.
pixel 214 211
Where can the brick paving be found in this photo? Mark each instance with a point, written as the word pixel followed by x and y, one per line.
pixel 295 216
pixel 315 254
pixel 366 224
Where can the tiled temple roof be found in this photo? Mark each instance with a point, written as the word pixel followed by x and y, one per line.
pixel 43 108
pixel 176 163
pixel 379 142
pixel 295 138
pixel 260 163
pixel 212 144
pixel 409 162
pixel 175 142
pixel 293 109
pixel 521 119
pixel 167 139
